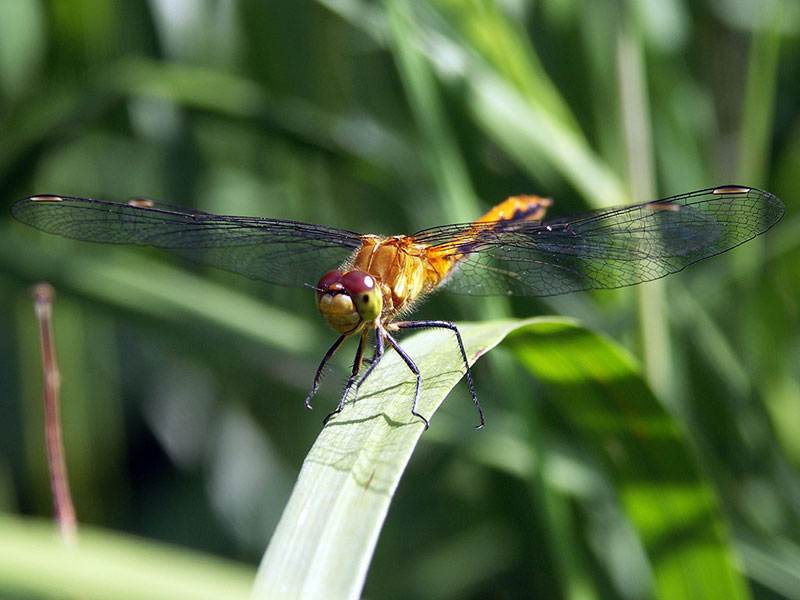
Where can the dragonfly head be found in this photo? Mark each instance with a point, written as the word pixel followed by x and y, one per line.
pixel 349 300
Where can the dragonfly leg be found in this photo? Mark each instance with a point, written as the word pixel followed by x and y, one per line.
pixel 331 351
pixel 414 369
pixel 357 362
pixel 356 368
pixel 379 349
pixel 452 327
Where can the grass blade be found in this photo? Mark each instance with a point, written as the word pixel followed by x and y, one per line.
pixel 102 564
pixel 327 534
pixel 326 537
pixel 673 508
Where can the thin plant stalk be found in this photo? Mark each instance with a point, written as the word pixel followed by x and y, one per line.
pixel 43 294
pixel 635 117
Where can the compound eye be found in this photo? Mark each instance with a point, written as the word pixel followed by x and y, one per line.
pixel 362 288
pixel 328 280
pixel 357 282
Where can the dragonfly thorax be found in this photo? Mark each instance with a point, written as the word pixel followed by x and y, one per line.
pixel 347 301
pixel 404 270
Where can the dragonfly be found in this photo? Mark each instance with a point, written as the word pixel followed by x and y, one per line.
pixel 370 282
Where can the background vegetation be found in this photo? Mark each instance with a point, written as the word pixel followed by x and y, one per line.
pixel 183 386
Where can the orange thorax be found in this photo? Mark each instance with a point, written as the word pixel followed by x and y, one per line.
pixel 406 270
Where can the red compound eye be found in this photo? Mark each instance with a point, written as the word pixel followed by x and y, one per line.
pixel 357 282
pixel 329 279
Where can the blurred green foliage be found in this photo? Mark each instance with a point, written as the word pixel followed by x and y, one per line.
pixel 183 386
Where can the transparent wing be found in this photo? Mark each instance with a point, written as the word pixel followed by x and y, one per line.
pixel 605 248
pixel 281 252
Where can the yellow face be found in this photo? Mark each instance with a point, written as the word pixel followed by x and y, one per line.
pixel 347 301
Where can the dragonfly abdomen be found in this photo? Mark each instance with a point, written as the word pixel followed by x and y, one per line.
pixel 406 270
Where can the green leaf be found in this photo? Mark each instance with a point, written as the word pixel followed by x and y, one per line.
pixel 667 498
pixel 327 534
pixel 109 565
